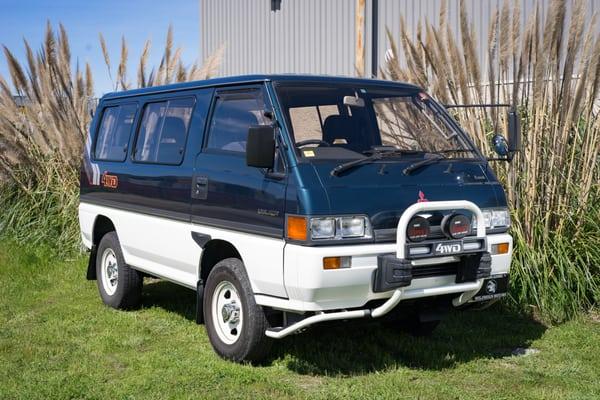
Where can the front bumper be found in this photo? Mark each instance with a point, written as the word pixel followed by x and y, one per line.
pixel 375 272
pixel 311 288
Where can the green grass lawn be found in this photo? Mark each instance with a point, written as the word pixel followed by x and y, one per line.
pixel 57 340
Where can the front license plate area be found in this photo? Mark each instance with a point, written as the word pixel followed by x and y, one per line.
pixel 494 287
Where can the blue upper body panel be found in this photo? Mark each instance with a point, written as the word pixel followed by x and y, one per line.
pixel 244 198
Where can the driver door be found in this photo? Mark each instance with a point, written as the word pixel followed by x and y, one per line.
pixel 228 193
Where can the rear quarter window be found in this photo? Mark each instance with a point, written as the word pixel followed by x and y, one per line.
pixel 114 132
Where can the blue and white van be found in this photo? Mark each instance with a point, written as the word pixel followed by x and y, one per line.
pixel 286 201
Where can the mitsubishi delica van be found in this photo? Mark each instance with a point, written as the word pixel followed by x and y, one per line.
pixel 287 201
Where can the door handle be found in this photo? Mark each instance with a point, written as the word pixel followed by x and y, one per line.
pixel 200 187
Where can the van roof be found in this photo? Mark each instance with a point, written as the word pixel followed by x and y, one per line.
pixel 230 80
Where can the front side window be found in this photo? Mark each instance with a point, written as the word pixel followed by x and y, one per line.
pixel 233 115
pixel 343 121
pixel 114 132
pixel 163 132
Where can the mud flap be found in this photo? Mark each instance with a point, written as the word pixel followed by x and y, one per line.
pixel 91 269
pixel 199 302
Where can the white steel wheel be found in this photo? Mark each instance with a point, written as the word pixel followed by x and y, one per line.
pixel 110 271
pixel 227 313
pixel 120 286
pixel 235 324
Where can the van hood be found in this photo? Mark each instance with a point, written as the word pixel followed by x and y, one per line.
pixel 382 191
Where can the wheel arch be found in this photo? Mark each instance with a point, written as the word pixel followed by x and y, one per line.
pixel 102 226
pixel 215 250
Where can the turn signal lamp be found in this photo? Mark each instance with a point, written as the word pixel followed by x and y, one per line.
pixel 331 263
pixel 296 227
pixel 336 262
pixel 500 248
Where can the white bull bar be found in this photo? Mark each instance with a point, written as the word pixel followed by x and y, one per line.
pixel 467 290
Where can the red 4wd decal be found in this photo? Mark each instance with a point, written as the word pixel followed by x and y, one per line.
pixel 422 198
pixel 109 181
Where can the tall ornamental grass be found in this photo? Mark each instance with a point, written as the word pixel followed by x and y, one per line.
pixel 550 71
pixel 44 117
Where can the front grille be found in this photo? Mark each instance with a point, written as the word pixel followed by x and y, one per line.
pixel 427 271
pixel 389 235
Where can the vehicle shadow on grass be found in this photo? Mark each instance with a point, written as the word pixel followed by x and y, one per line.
pixel 365 346
pixel 170 297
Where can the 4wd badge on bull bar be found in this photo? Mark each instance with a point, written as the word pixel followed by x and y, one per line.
pixel 448 247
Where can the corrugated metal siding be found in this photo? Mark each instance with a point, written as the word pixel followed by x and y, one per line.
pixel 308 36
pixel 390 12
pixel 318 36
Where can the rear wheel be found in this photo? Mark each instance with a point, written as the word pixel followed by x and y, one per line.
pixel 120 286
pixel 235 324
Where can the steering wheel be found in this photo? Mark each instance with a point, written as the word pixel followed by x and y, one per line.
pixel 312 141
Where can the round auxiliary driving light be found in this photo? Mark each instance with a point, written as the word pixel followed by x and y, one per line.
pixel 417 229
pixel 456 226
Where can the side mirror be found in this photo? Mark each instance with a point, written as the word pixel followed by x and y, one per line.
pixel 514 131
pixel 500 146
pixel 260 147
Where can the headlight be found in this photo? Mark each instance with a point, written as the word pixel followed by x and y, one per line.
pixel 352 227
pixel 322 228
pixel 494 218
pixel 500 218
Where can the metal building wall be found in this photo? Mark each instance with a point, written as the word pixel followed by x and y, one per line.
pixel 307 36
pixel 318 36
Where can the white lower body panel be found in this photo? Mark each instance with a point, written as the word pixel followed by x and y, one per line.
pixel 283 276
pixel 165 248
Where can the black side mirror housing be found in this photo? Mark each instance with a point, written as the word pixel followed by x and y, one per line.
pixel 260 147
pixel 500 146
pixel 514 131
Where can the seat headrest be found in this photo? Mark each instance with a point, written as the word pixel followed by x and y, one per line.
pixel 173 128
pixel 342 130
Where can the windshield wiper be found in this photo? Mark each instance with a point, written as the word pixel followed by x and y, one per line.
pixel 422 163
pixel 376 156
pixel 355 163
pixel 379 155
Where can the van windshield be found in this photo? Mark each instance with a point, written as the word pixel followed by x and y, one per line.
pixel 345 122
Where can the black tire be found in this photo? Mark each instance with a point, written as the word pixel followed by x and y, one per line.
pixel 251 344
pixel 128 291
pixel 411 325
pixel 421 328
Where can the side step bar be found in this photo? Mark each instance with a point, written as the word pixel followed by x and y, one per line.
pixel 467 291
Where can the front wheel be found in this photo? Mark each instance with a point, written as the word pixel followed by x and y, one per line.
pixel 421 328
pixel 235 324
